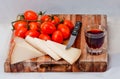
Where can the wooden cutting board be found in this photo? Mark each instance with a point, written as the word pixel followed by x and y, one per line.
pixel 86 62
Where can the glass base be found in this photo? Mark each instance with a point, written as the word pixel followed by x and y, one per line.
pixel 94 51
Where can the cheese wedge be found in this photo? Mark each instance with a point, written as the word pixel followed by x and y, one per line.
pixel 31 40
pixel 23 51
pixel 41 46
pixel 70 55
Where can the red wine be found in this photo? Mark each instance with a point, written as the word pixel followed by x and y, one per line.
pixel 94 38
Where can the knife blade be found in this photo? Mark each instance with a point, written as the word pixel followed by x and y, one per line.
pixel 74 34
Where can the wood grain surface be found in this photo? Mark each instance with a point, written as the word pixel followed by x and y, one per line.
pixel 86 62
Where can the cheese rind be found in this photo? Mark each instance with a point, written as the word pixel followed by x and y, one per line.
pixel 70 55
pixel 23 51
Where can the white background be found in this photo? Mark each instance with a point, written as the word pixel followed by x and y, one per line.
pixel 9 9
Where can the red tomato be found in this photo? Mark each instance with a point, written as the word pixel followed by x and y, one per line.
pixel 21 32
pixel 55 20
pixel 19 24
pixel 69 24
pixel 47 28
pixel 44 37
pixel 33 26
pixel 45 18
pixel 30 15
pixel 57 36
pixel 65 30
pixel 32 33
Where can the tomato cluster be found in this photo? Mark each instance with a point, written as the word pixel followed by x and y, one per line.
pixel 46 27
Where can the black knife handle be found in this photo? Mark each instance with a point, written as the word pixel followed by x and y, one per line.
pixel 76 28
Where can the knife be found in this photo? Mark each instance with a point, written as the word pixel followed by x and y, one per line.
pixel 74 34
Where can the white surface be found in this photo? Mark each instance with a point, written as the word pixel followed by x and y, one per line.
pixel 9 9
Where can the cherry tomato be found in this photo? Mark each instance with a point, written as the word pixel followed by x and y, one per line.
pixel 69 24
pixel 55 20
pixel 30 15
pixel 19 24
pixel 33 26
pixel 21 32
pixel 47 28
pixel 65 30
pixel 45 18
pixel 44 37
pixel 32 33
pixel 57 36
